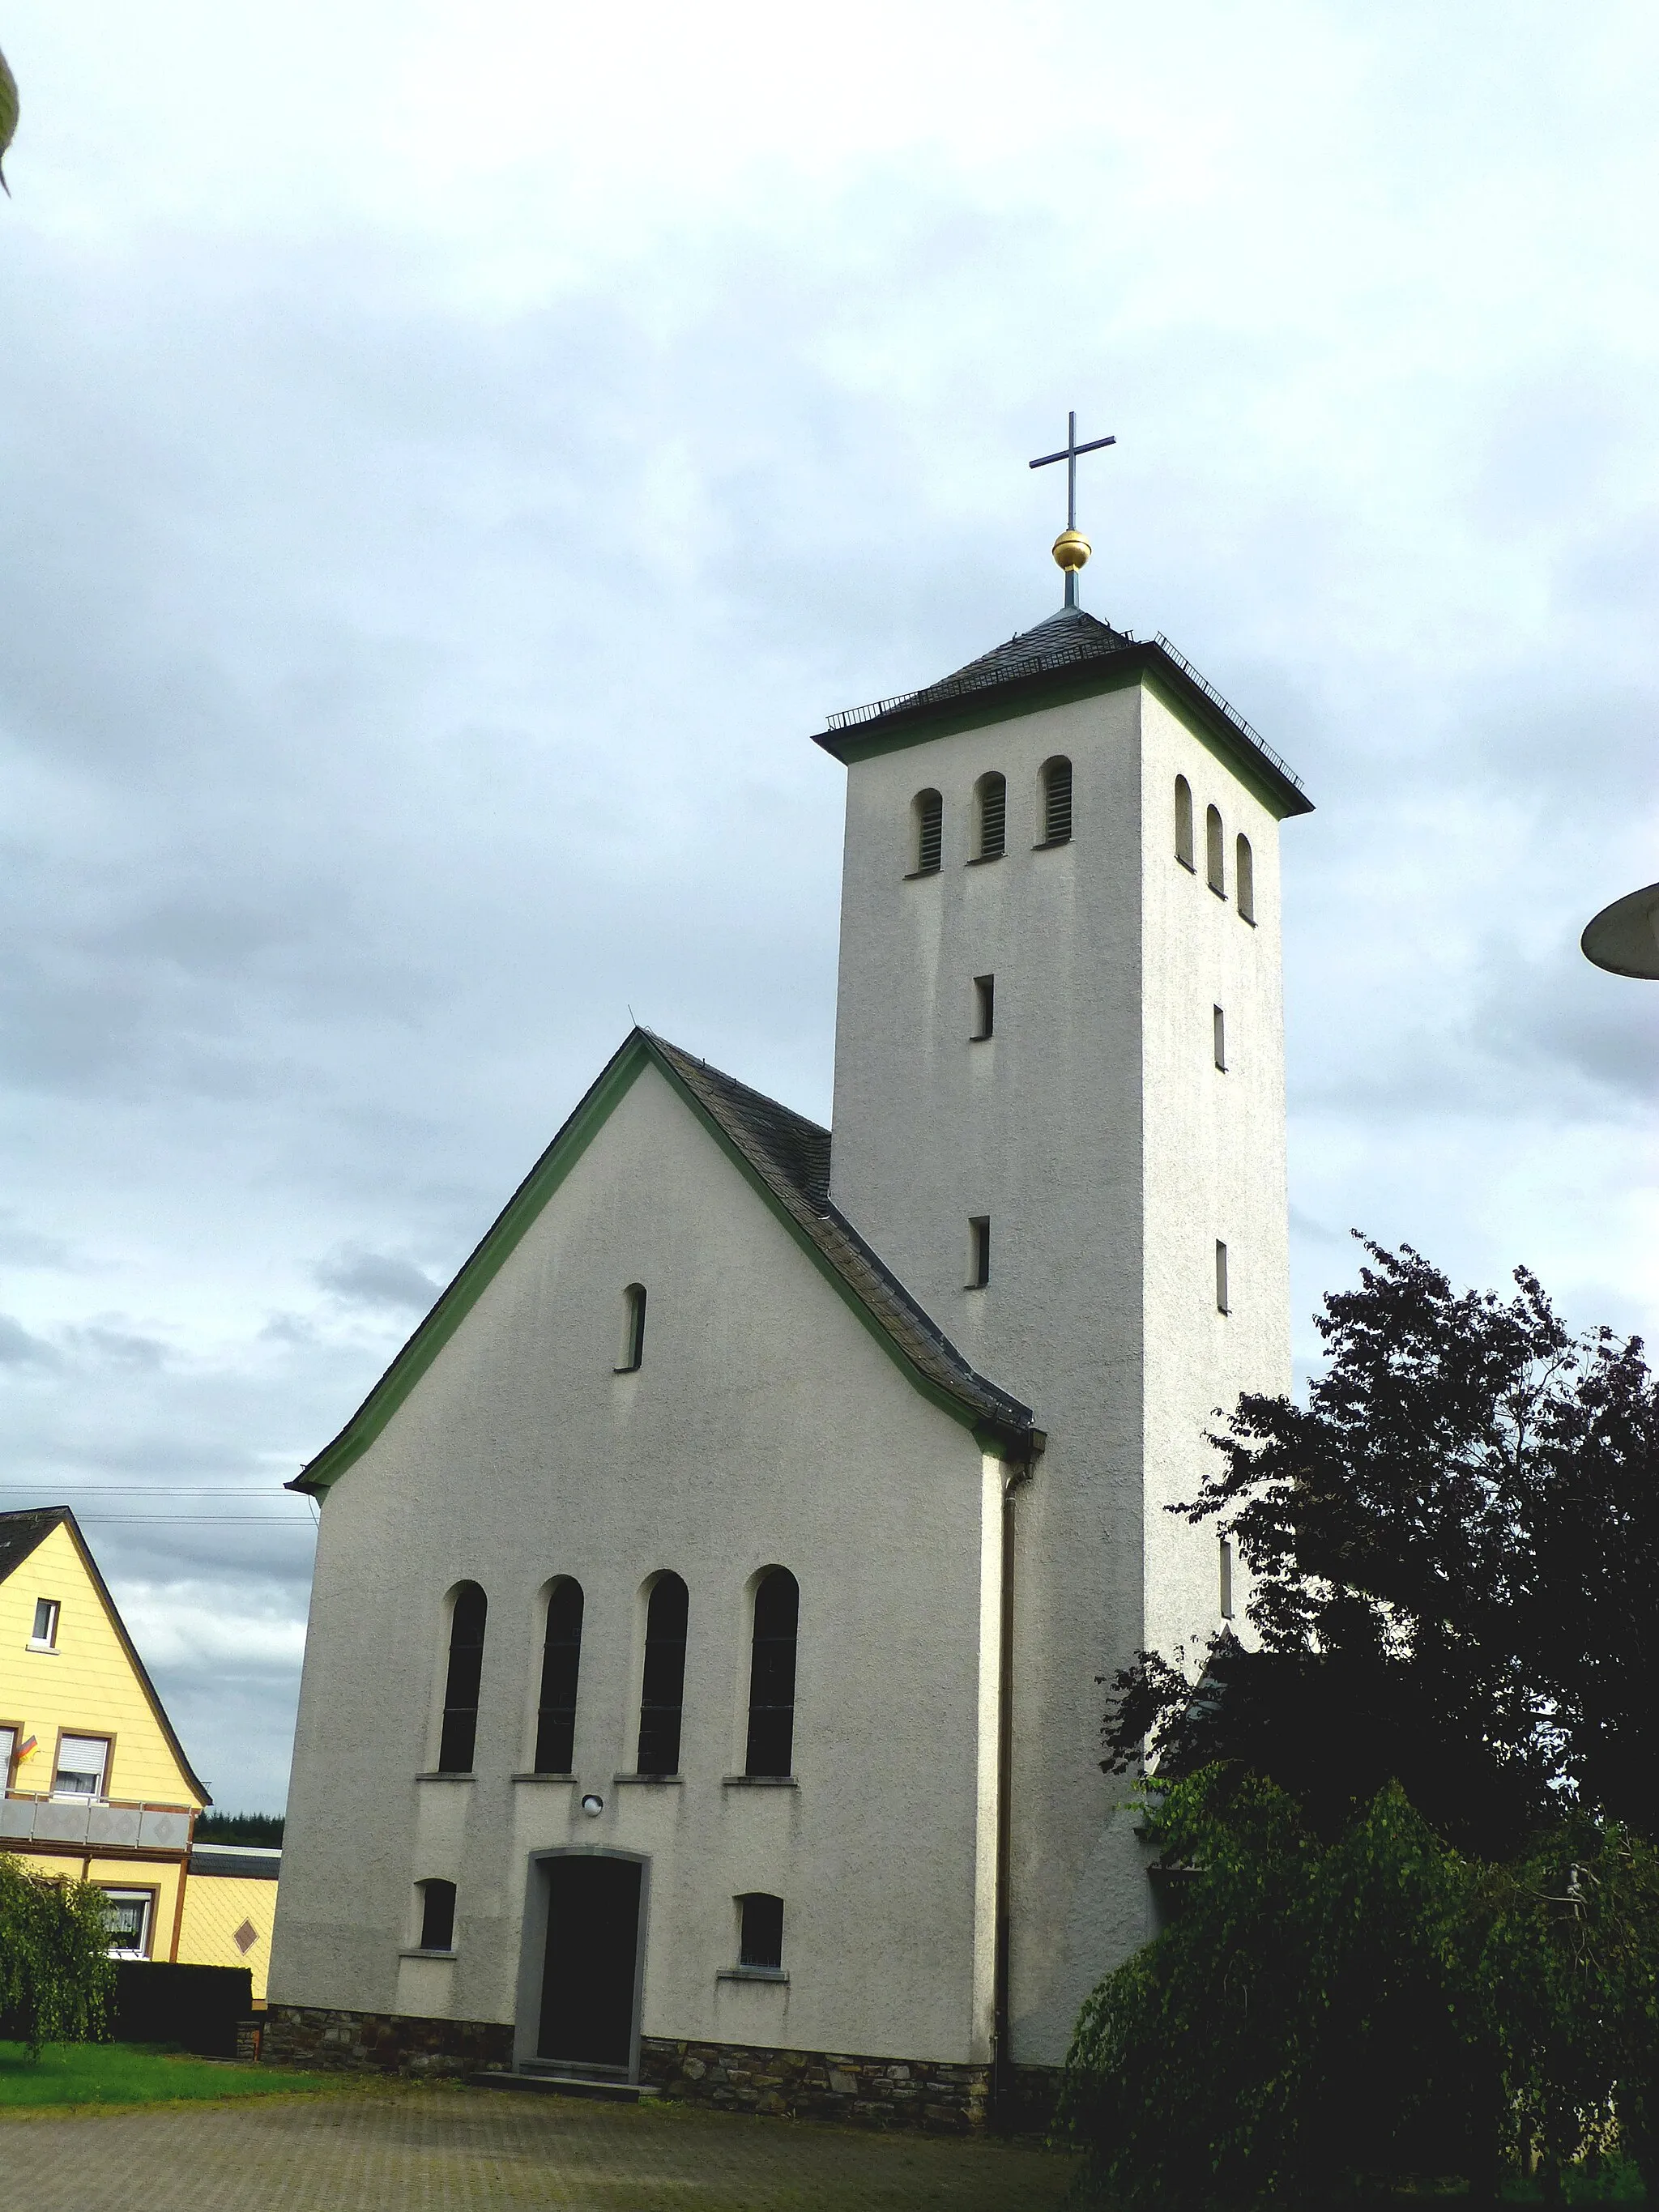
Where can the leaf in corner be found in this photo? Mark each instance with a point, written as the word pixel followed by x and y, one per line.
pixel 8 118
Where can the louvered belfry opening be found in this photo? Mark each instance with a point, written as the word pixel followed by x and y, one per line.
pixel 993 817
pixel 1183 822
pixel 561 1655
pixel 662 1689
pixel 1057 803
pixel 1215 852
pixel 1244 878
pixel 930 832
pixel 772 1675
pixel 467 1641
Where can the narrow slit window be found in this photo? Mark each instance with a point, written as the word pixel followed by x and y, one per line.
pixel 759 1932
pixel 561 1658
pixel 82 1765
pixel 437 1916
pixel 1184 823
pixel 1219 1026
pixel 928 815
pixel 662 1688
pixel 979 1252
pixel 467 1641
pixel 633 1336
pixel 1215 854
pixel 1244 878
pixel 985 1006
pixel 993 795
pixel 45 1635
pixel 772 1675
pixel 1057 803
pixel 1223 1304
pixel 1226 1578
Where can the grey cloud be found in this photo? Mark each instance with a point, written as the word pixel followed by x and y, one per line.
pixel 376 1278
pixel 18 1348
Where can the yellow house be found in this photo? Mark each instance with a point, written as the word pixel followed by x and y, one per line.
pixel 230 1906
pixel 97 1785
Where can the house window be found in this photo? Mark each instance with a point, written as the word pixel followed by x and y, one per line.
pixel 128 1916
pixel 467 1641
pixel 1214 853
pixel 927 824
pixel 985 1006
pixel 1222 1303
pixel 772 1675
pixel 437 1915
pixel 1244 878
pixel 1218 1023
pixel 991 796
pixel 759 1932
pixel 1226 1578
pixel 1057 802
pixel 1184 823
pixel 44 1636
pixel 633 1336
pixel 8 1756
pixel 979 1252
pixel 83 1763
pixel 561 1655
pixel 662 1688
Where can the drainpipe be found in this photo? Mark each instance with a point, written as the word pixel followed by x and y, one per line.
pixel 1018 1473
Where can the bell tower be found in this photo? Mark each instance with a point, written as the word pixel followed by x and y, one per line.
pixel 1059 1119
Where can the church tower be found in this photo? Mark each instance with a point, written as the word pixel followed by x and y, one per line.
pixel 1059 1117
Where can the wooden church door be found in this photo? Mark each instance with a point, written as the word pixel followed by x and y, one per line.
pixel 591 1974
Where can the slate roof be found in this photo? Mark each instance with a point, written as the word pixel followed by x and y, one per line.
pixel 792 1155
pixel 23 1534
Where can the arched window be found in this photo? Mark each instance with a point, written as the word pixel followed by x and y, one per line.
pixel 437 1915
pixel 1057 803
pixel 467 1640
pixel 991 801
pixel 1184 823
pixel 633 1336
pixel 561 1659
pixel 662 1689
pixel 1244 878
pixel 772 1675
pixel 1215 855
pixel 927 822
pixel 759 1932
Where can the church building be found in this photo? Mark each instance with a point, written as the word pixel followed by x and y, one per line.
pixel 702 1691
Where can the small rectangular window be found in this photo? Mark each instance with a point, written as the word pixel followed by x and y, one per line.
pixel 437 1916
pixel 127 1913
pixel 985 1006
pixel 1220 1026
pixel 760 1931
pixel 1222 1304
pixel 979 1252
pixel 81 1762
pixel 44 1638
pixel 1227 1579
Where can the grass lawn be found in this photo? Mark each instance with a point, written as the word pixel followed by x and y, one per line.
pixel 133 2073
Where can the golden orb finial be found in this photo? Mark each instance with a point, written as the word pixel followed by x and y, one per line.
pixel 1071 550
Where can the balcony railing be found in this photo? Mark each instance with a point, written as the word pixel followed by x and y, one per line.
pixel 29 1818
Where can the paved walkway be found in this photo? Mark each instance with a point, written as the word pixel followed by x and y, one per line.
pixel 399 2149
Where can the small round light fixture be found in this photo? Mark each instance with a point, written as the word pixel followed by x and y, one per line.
pixel 593 1806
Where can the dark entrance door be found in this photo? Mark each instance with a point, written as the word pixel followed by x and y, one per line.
pixel 593 1959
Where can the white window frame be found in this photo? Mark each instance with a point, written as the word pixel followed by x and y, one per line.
pixel 145 1899
pixel 52 1608
pixel 91 1797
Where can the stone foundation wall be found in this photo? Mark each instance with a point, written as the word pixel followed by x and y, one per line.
pixel 384 2043
pixel 819 2084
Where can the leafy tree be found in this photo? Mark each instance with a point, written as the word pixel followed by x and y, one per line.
pixel 7 118
pixel 1455 1552
pixel 56 1975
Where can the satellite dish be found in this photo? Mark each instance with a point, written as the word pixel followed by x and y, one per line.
pixel 1624 937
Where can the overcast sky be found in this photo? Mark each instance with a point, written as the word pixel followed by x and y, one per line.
pixel 452 456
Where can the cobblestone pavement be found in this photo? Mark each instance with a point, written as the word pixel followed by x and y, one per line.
pixel 427 2149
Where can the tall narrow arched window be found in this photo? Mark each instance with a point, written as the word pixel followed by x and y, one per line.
pixel 662 1688
pixel 1215 855
pixel 1057 803
pixel 927 827
pixel 631 1351
pixel 1184 823
pixel 1244 878
pixel 772 1675
pixel 467 1641
pixel 991 805
pixel 561 1659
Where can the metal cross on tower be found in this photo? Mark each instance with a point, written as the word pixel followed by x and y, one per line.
pixel 1071 549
